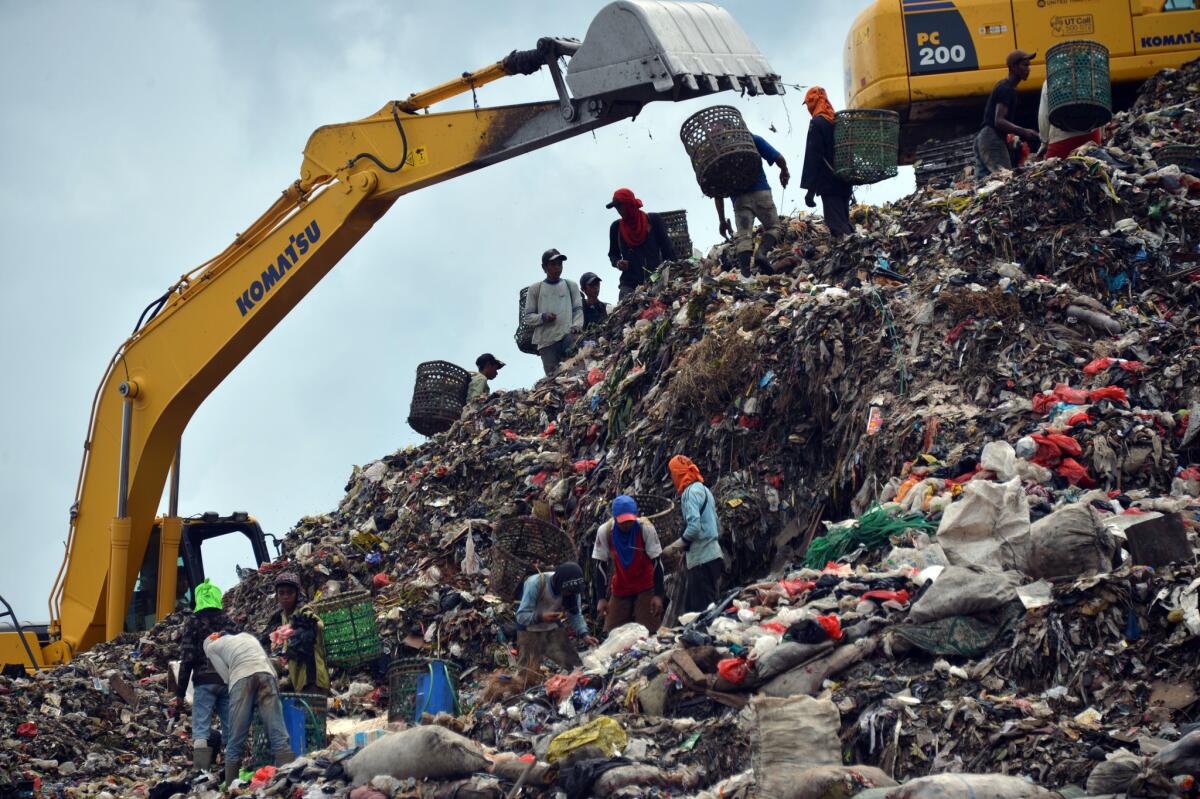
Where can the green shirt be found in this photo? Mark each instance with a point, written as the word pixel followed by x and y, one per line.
pixel 478 387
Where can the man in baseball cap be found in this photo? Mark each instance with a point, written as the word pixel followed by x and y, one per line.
pixel 594 310
pixel 991 145
pixel 489 366
pixel 627 572
pixel 554 309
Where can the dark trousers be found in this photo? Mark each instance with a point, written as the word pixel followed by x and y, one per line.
pixel 703 582
pixel 836 208
pixel 624 609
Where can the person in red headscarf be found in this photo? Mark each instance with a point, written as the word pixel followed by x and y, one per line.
pixel 637 242
pixel 818 176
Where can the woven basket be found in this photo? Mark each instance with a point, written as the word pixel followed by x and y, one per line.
pixel 1186 156
pixel 439 394
pixel 660 512
pixel 402 685
pixel 524 334
pixel 1080 92
pixel 524 545
pixel 940 164
pixel 677 232
pixel 866 144
pixel 723 153
pixel 316 711
pixel 351 634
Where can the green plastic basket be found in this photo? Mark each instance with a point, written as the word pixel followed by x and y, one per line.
pixel 403 676
pixel 351 634
pixel 1077 80
pixel 866 145
pixel 316 711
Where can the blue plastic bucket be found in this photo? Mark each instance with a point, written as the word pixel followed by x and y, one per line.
pixel 294 716
pixel 437 691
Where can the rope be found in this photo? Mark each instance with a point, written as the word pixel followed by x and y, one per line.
pixel 873 530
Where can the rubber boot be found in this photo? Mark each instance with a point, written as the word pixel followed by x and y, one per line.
pixel 232 770
pixel 283 758
pixel 744 263
pixel 202 758
pixel 760 259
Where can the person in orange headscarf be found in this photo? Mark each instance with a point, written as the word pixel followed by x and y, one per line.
pixel 705 560
pixel 637 242
pixel 818 176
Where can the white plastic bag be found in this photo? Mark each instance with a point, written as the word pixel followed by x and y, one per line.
pixel 988 526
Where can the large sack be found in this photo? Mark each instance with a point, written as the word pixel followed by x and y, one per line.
pixel 1070 542
pixel 790 735
pixel 1115 774
pixel 970 786
pixel 964 591
pixel 1181 757
pixel 807 679
pixel 988 526
pixel 839 782
pixel 421 753
pixel 787 656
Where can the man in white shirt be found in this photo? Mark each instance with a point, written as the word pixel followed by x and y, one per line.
pixel 246 669
pixel 554 309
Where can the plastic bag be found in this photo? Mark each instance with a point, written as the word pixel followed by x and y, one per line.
pixel 964 591
pixel 421 753
pixel 1070 542
pixel 789 736
pixel 1000 458
pixel 989 526
pixel 969 786
pixel 604 732
pixel 734 670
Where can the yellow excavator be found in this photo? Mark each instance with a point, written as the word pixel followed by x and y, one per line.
pixel 935 61
pixel 190 338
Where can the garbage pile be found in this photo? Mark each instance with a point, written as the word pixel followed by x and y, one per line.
pixel 957 465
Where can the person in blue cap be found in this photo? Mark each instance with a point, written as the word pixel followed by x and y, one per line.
pixel 627 569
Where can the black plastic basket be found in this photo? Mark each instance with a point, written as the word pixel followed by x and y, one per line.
pixel 351 632
pixel 439 394
pixel 677 233
pixel 524 334
pixel 403 676
pixel 939 165
pixel 660 512
pixel 1077 80
pixel 524 545
pixel 1185 156
pixel 866 145
pixel 722 150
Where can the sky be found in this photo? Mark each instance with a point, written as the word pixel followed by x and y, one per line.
pixel 140 137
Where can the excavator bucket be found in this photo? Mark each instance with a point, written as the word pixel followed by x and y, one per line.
pixel 642 50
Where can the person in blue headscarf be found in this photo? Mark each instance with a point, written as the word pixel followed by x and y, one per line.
pixel 627 569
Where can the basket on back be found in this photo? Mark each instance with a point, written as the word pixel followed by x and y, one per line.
pixel 723 153
pixel 866 145
pixel 524 334
pixel 439 393
pixel 1078 85
pixel 660 512
pixel 677 232
pixel 523 545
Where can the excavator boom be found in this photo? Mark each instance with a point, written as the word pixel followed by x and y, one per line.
pixel 635 51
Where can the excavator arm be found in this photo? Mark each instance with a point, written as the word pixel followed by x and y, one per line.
pixel 635 51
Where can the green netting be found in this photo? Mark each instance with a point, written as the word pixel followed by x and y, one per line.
pixel 1078 85
pixel 866 145
pixel 351 635
pixel 873 530
pixel 315 708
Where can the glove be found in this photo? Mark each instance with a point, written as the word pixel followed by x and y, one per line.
pixel 810 200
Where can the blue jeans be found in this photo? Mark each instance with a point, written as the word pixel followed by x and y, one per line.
pixel 206 698
pixel 259 691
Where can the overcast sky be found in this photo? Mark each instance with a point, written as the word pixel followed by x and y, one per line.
pixel 138 138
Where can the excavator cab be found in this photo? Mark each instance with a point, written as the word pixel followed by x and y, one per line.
pixel 143 605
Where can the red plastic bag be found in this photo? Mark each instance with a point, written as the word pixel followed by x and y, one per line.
pixel 1098 365
pixel 1115 393
pixel 901 596
pixel 380 580
pixel 774 626
pixel 735 670
pixel 585 466
pixel 832 625
pixel 653 311
pixel 27 729
pixel 1079 418
pixel 560 686
pixel 595 375
pixel 1075 473
pixel 549 431
pixel 262 776
pixel 1065 444
pixel 797 587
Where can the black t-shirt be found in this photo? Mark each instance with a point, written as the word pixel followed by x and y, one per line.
pixel 818 175
pixel 594 314
pixel 643 258
pixel 1006 93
